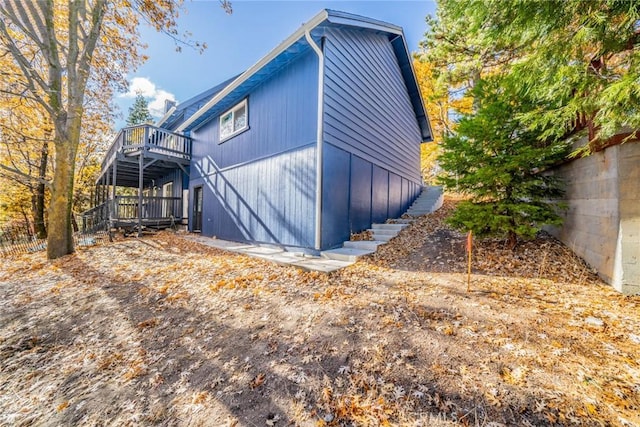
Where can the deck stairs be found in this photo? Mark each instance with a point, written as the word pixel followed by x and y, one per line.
pixel 428 201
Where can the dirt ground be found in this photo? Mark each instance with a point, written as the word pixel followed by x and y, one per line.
pixel 164 331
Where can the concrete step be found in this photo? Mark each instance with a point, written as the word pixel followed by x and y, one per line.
pixel 419 213
pixel 383 231
pixel 422 208
pixel 426 201
pixel 383 237
pixel 403 221
pixel 397 227
pixel 345 254
pixel 370 245
pixel 432 189
pixel 322 264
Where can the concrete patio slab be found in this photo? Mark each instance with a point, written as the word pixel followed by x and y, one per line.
pixel 274 254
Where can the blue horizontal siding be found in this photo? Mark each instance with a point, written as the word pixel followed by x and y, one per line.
pixel 271 200
pixel 282 116
pixel 367 108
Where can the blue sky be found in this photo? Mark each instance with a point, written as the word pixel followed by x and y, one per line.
pixel 237 41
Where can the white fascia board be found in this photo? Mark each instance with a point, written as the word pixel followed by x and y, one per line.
pixel 310 25
pixel 415 81
pixel 344 18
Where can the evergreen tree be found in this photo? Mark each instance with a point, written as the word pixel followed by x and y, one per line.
pixel 500 162
pixel 536 69
pixel 577 58
pixel 139 112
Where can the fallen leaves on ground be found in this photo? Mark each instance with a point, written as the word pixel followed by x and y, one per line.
pixel 164 330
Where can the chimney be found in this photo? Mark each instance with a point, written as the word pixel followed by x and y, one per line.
pixel 168 104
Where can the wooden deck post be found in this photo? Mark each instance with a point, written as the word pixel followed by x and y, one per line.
pixel 107 189
pixel 115 175
pixel 140 184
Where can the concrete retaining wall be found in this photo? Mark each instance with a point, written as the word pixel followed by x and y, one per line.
pixel 602 224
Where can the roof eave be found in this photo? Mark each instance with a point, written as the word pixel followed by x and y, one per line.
pixel 344 18
pixel 335 18
pixel 405 62
pixel 308 26
pixel 166 116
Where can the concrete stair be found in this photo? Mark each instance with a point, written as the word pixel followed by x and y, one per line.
pixel 370 245
pixel 346 254
pixel 428 201
pixel 386 232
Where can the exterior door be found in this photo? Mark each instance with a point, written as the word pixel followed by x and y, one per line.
pixel 197 209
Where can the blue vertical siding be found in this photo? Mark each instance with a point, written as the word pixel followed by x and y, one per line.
pixel 405 194
pixel 380 194
pixel 395 195
pixel 240 203
pixel 357 193
pixel 179 179
pixel 335 200
pixel 259 186
pixel 360 194
pixel 367 109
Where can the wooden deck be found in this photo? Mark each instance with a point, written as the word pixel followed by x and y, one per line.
pixel 124 212
pixel 139 157
pixel 145 147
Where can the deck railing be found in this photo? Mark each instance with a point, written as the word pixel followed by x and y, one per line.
pixel 150 138
pixel 95 219
pixel 153 208
pixel 125 210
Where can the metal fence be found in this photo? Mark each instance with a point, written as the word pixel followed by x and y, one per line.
pixel 18 238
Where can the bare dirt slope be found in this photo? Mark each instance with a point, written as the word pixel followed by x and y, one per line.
pixel 163 331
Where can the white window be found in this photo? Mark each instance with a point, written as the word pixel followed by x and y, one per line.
pixel 234 121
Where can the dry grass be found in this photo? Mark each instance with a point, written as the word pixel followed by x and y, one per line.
pixel 163 330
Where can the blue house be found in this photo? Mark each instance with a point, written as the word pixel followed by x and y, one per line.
pixel 317 140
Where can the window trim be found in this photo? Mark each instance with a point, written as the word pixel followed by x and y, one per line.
pixel 244 103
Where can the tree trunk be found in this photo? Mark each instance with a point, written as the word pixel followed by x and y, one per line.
pixel 512 240
pixel 38 213
pixel 60 239
pixel 27 225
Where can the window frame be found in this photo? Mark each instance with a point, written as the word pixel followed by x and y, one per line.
pixel 244 103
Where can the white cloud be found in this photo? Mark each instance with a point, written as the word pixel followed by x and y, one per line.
pixel 142 86
pixel 148 89
pixel 156 106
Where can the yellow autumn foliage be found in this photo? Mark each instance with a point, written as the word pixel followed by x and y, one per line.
pixel 442 106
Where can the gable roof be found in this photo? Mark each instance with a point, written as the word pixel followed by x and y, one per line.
pixel 176 114
pixel 295 45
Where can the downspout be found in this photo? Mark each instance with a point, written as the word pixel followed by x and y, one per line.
pixel 319 137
